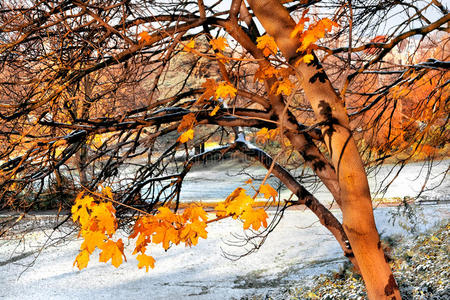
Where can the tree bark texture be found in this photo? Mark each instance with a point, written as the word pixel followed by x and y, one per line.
pixel 356 204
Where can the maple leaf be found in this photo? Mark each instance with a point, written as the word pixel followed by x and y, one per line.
pixel 268 191
pixel 82 260
pixel 225 90
pixel 104 215
pixel 210 86
pixel 267 44
pixel 144 37
pixel 254 218
pixel 92 239
pixel 191 232
pixel 239 204
pixel 80 210
pixel 165 235
pixel 219 43
pixel 114 251
pixel 195 213
pixel 266 73
pixel 189 46
pixel 186 136
pixel 107 191
pixel 285 86
pixel 145 261
pixel 165 214
pixel 187 122
pixel 221 210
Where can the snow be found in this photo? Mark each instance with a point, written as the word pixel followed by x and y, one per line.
pixel 297 249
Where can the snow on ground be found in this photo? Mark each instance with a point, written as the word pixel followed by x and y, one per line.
pixel 298 249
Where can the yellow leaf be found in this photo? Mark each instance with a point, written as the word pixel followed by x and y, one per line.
pixel 308 58
pixel 267 44
pixel 80 209
pixel 219 43
pixel 214 111
pixel 225 90
pixel 82 259
pixel 104 215
pixel 285 86
pixel 107 191
pixel 239 204
pixel 221 210
pixel 186 136
pixel 268 191
pixel 189 46
pixel 145 261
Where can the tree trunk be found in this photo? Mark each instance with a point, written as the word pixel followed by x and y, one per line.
pixel 356 204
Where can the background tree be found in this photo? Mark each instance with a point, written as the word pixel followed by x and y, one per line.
pixel 109 92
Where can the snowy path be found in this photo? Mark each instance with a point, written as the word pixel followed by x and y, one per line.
pixel 292 254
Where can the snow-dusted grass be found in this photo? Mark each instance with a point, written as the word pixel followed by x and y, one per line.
pixel 421 268
pixel 297 250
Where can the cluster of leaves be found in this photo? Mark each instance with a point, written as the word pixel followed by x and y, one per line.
pixel 421 270
pixel 96 216
pixel 240 205
pixel 311 34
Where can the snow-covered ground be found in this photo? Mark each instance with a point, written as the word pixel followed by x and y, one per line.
pixel 298 249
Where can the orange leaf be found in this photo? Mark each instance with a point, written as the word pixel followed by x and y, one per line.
pixel 145 261
pixel 187 122
pixel 195 213
pixel 267 44
pixel 92 239
pixel 186 136
pixel 165 235
pixel 225 90
pixel 219 43
pixel 82 259
pixel 210 86
pixel 114 251
pixel 189 46
pixel 254 218
pixel 268 191
pixel 221 210
pixel 144 37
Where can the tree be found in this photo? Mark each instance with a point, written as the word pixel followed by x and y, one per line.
pixel 97 73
